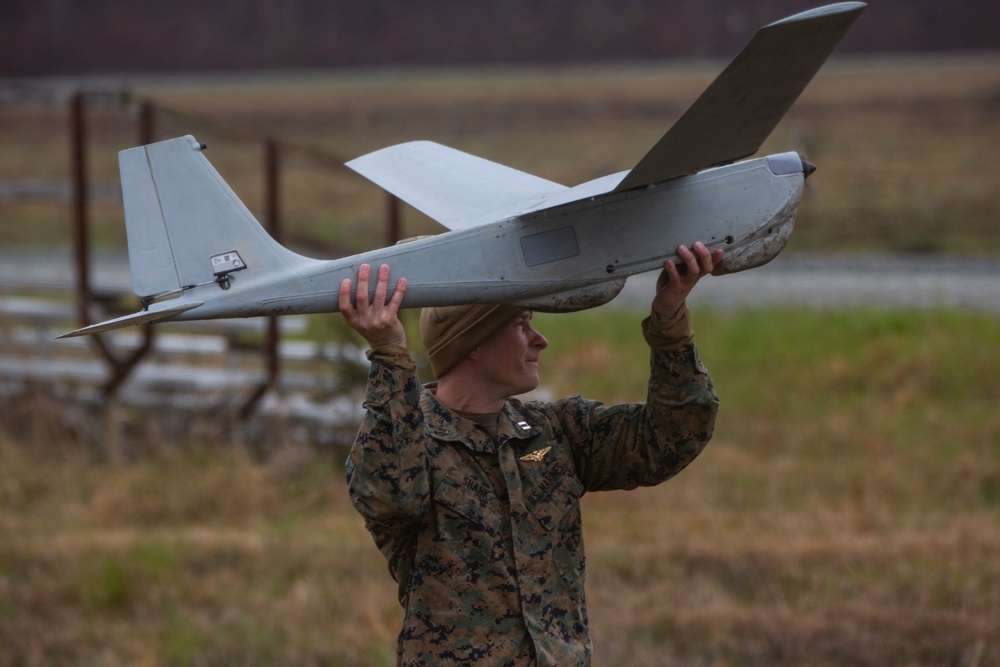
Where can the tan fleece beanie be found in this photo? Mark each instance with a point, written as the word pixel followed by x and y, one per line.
pixel 451 332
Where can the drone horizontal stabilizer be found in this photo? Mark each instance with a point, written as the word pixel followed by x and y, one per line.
pixel 142 317
pixel 740 109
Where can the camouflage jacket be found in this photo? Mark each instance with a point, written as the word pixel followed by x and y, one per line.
pixel 484 538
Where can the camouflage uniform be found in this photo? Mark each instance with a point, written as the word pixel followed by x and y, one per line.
pixel 484 537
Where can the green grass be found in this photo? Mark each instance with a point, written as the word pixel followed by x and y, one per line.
pixel 845 513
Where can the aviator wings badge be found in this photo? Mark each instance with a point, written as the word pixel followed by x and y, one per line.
pixel 536 455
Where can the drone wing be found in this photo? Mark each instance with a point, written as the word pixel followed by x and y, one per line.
pixel 730 121
pixel 738 111
pixel 456 189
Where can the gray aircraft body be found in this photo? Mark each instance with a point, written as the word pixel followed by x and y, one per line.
pixel 196 252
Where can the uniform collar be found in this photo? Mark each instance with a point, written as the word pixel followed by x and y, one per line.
pixel 443 424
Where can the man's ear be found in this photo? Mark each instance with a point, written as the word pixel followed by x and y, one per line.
pixel 473 354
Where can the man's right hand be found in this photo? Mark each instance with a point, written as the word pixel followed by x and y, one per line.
pixel 377 321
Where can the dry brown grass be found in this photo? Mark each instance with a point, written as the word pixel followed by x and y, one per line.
pixel 845 514
pixel 190 557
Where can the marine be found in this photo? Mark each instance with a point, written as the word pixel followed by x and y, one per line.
pixel 472 495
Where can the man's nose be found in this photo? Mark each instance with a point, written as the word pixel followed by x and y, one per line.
pixel 540 341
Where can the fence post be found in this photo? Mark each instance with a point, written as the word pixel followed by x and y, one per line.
pixel 81 240
pixel 272 222
pixel 121 368
pixel 81 221
pixel 145 123
pixel 394 220
pixel 81 236
pixel 272 171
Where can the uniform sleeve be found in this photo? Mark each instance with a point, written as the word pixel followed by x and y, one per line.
pixel 642 444
pixel 387 466
pixel 673 334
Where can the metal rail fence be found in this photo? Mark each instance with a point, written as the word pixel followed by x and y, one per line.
pixel 149 357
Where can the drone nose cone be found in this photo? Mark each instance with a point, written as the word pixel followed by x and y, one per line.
pixel 807 168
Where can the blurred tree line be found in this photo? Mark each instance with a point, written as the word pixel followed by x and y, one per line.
pixel 39 37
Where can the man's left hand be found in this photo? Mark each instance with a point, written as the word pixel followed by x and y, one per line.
pixel 674 285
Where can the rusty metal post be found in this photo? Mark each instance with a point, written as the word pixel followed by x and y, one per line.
pixel 146 129
pixel 123 368
pixel 272 162
pixel 81 240
pixel 81 222
pixel 272 222
pixel 394 233
pixel 145 136
pixel 394 225
pixel 146 132
pixel 119 369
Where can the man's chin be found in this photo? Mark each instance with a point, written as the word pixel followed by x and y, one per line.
pixel 529 386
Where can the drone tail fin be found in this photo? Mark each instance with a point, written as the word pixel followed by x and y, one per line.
pixel 186 228
pixel 185 225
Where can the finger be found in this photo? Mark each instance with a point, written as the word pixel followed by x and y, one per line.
pixel 344 300
pixel 717 258
pixel 672 276
pixel 364 271
pixel 690 260
pixel 704 257
pixel 397 297
pixel 381 287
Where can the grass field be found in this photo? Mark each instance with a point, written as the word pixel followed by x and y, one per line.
pixel 846 513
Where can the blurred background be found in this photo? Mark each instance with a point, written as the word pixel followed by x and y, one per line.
pixel 175 496
pixel 113 37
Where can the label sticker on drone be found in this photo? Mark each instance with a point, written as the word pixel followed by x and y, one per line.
pixel 227 263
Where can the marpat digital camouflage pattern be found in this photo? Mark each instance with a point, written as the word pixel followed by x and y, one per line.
pixel 484 538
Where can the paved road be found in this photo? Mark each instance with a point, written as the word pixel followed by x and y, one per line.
pixel 845 282
pixel 820 281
